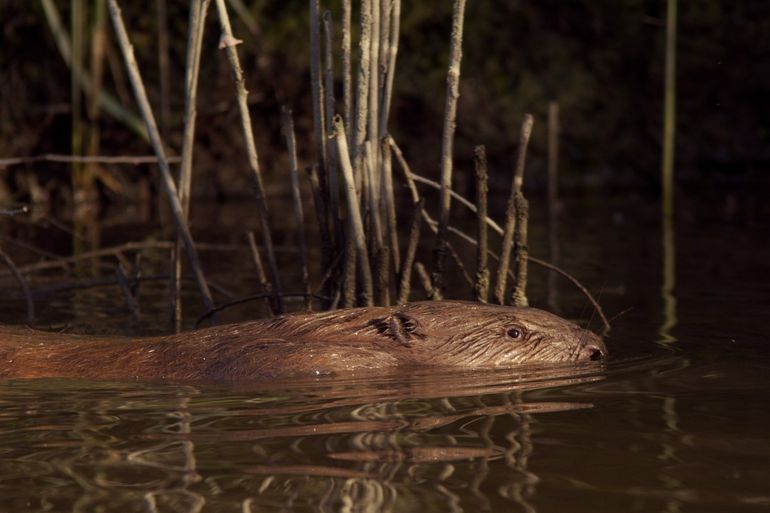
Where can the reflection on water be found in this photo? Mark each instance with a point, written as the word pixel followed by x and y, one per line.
pixel 442 442
pixel 681 427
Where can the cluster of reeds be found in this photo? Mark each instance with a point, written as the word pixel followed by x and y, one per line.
pixel 351 176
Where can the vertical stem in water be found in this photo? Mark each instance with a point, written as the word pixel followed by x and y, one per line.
pixel 669 116
pixel 481 290
pixel 447 143
pixel 553 200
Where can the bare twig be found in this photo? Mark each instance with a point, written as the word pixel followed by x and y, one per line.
pixel 447 142
pixel 264 284
pixel 229 43
pixel 362 105
pixel 91 159
pixel 331 151
pixel 422 273
pixel 405 272
pixel 247 299
pixel 131 300
pixel 291 145
pixel 152 129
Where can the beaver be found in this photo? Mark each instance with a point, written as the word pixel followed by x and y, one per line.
pixel 423 334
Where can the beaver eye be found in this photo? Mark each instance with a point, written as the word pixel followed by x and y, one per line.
pixel 515 333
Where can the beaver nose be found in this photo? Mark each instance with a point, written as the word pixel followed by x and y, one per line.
pixel 593 352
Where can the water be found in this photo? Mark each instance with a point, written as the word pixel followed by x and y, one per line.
pixel 676 421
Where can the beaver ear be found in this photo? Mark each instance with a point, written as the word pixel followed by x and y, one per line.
pixel 400 327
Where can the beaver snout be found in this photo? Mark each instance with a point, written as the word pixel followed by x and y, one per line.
pixel 593 351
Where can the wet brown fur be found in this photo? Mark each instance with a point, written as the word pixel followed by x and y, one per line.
pixel 445 334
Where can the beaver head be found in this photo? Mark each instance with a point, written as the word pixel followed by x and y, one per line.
pixel 480 335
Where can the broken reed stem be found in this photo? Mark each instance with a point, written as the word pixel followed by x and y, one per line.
pixel 410 179
pixel 405 271
pixel 364 42
pixel 521 251
pixel 317 88
pixel 131 301
pixel 196 24
pixel 481 289
pixel 391 54
pixel 356 225
pixel 349 274
pixel 261 276
pixel 382 276
pixel 447 142
pixel 510 211
pixel 374 100
pixel 553 200
pixel 163 68
pixel 390 202
pixel 90 159
pixel 22 284
pixel 320 210
pixel 347 79
pixel 152 130
pixel 424 277
pixel 291 145
pixel 332 173
pixel 229 43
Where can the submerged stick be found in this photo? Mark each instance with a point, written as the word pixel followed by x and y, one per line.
pixel 22 284
pixel 481 290
pixel 228 42
pixel 447 142
pixel 152 129
pixel 405 273
pixel 291 145
pixel 356 224
pixel 510 211
pixel 264 284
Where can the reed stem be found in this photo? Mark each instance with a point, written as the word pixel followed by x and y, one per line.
pixel 152 129
pixel 228 42
pixel 356 225
pixel 447 142
pixel 510 211
pixel 481 290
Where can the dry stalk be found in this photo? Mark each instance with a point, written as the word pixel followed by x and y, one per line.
pixel 510 212
pixel 447 142
pixel 229 43
pixel 291 145
pixel 356 225
pixel 391 54
pixel 317 88
pixel 521 251
pixel 481 290
pixel 152 130
pixel 405 272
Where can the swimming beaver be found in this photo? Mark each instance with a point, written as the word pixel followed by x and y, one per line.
pixel 444 334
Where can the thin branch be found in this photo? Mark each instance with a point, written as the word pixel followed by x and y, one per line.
pixel 229 43
pixel 152 129
pixel 94 159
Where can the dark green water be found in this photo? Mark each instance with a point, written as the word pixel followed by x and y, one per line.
pixel 677 421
